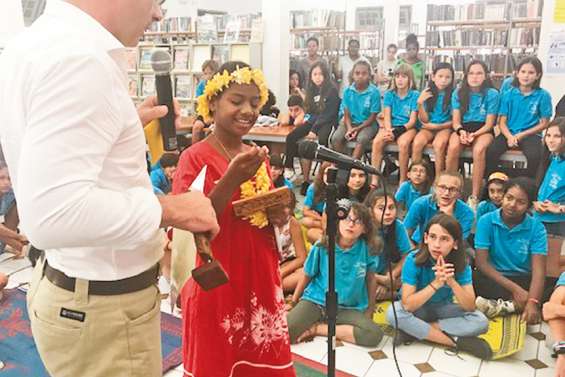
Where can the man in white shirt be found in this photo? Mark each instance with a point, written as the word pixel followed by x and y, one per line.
pixel 345 65
pixel 75 148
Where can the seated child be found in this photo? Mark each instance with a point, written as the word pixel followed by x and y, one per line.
pixel 431 277
pixel 356 302
pixel 209 68
pixel 314 205
pixel 417 185
pixel 357 187
pixel 492 194
pixel 277 170
pixel 162 175
pixel 296 114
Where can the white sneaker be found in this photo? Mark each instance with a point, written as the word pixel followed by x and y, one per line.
pixel 492 308
pixel 473 202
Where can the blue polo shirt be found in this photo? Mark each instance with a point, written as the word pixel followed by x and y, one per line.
pixel 485 207
pixel 407 193
pixel 480 106
pixel 510 250
pixel 553 189
pixel 309 200
pixel 561 280
pixel 421 276
pixel 401 108
pixel 438 115
pixel 425 207
pixel 351 268
pixel 506 85
pixel 525 111
pixel 402 243
pixel 6 202
pixel 361 104
pixel 160 182
pixel 200 88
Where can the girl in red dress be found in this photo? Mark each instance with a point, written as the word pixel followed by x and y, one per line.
pixel 239 328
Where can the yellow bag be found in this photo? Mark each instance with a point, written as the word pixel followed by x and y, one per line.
pixel 505 336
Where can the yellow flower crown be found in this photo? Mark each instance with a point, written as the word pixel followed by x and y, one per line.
pixel 223 80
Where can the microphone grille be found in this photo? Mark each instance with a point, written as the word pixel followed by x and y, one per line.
pixel 161 61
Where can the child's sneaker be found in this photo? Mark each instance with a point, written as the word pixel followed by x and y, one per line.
pixel 473 202
pixel 492 308
pixel 474 346
pixel 401 338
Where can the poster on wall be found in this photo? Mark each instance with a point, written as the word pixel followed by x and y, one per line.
pixel 556 54
pixel 559 12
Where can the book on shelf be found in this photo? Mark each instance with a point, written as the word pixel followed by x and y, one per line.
pixel 200 53
pixel 241 52
pixel 462 38
pixel 501 63
pixel 132 58
pixel 183 86
pixel 182 58
pixel 231 33
pixel 132 86
pixel 524 37
pixel 317 18
pixel 207 31
pixel 221 53
pixel 147 85
pixel 256 31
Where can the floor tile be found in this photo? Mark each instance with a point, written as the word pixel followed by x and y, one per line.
pixel 351 360
pixel 386 367
pixel 315 350
pixel 437 374
pixel 461 365
pixel 547 372
pixel 506 367
pixel 544 355
pixel 530 350
pixel 414 353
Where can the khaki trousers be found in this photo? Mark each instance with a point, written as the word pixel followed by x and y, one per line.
pixel 118 335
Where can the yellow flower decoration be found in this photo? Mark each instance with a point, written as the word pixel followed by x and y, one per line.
pixel 223 80
pixel 257 185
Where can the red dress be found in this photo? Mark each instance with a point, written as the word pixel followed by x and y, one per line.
pixel 239 328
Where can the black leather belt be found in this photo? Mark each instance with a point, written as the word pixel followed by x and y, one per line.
pixel 105 288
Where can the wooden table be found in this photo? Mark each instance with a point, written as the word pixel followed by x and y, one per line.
pixel 274 137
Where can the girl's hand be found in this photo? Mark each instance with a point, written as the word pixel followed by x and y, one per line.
pixel 552 207
pixel 311 136
pixel 370 311
pixel 448 210
pixel 520 297
pixel 512 141
pixel 531 314
pixel 424 96
pixel 471 137
pixel 540 206
pixel 244 166
pixel 389 135
pixel 352 134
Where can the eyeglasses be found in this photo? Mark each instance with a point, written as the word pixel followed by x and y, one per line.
pixel 451 190
pixel 352 221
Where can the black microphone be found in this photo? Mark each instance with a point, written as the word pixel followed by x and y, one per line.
pixel 161 62
pixel 310 150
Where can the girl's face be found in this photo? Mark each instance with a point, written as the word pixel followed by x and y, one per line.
pixel 476 76
pixel 357 179
pixel 442 78
pixel 351 228
pixel 361 75
pixel 170 172
pixel 317 76
pixel 411 51
pixel 495 193
pixel 439 241
pixel 5 182
pixel 447 190
pixel 527 75
pixel 417 175
pixel 390 210
pixel 554 140
pixel 294 81
pixel 514 203
pixel 276 172
pixel 391 53
pixel 207 73
pixel 402 81
pixel 236 109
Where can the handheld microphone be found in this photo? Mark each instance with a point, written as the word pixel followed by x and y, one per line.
pixel 310 150
pixel 161 63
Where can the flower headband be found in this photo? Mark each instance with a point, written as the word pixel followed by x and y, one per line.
pixel 223 80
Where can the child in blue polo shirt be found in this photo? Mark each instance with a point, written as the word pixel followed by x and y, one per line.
pixel 431 278
pixel 525 111
pixel 417 185
pixel 434 113
pixel 360 106
pixel 357 187
pixel 314 204
pixel 400 120
pixel 475 107
pixel 491 199
pixel 162 175
pixel 396 244
pixel 511 249
pixel 354 273
pixel 550 204
pixel 444 199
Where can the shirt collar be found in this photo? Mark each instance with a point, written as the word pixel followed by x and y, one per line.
pixel 358 92
pixel 83 23
pixel 525 224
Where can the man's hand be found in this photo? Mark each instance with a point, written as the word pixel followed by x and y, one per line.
pixel 190 211
pixel 149 110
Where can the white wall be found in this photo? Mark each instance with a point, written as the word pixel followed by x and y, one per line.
pixel 555 84
pixel 188 8
pixel 11 20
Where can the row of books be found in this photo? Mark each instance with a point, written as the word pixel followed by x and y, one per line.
pixel 328 41
pixel 483 11
pixel 524 37
pixel 317 18
pixel 172 25
pixel 144 85
pixel 188 57
pixel 450 38
pixel 498 63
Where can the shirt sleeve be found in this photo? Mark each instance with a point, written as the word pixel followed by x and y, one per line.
pixel 309 200
pixel 466 221
pixel 72 126
pixel 402 240
pixel 410 271
pixel 400 195
pixel 539 239
pixel 312 264
pixel 492 102
pixel 455 104
pixel 414 216
pixel 465 277
pixel 388 99
pixel 414 101
pixel 376 101
pixel 483 234
pixel 546 108
pixel 505 103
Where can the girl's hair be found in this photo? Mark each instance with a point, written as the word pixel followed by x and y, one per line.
pixel 537 66
pixel 293 72
pixel 319 184
pixel 525 184
pixel 167 160
pixel 425 189
pixel 389 238
pixel 484 193
pixel 343 191
pixel 276 161
pixel 210 63
pixel 558 122
pixel 313 90
pixel 369 236
pixel 465 90
pixel 295 100
pixel 360 62
pixel 403 69
pixel 292 204
pixel 456 256
pixel 431 102
pixel 412 39
pixel 392 45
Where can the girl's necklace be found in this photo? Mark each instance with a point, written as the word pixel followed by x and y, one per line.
pixel 224 149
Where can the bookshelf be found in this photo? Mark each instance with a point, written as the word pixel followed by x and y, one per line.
pixel 499 32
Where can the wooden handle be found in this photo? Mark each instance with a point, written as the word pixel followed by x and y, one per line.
pixel 203 246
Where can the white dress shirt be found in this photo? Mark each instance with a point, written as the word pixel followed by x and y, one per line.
pixel 75 148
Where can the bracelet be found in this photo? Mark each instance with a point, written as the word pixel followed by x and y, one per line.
pixel 534 300
pixel 434 288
